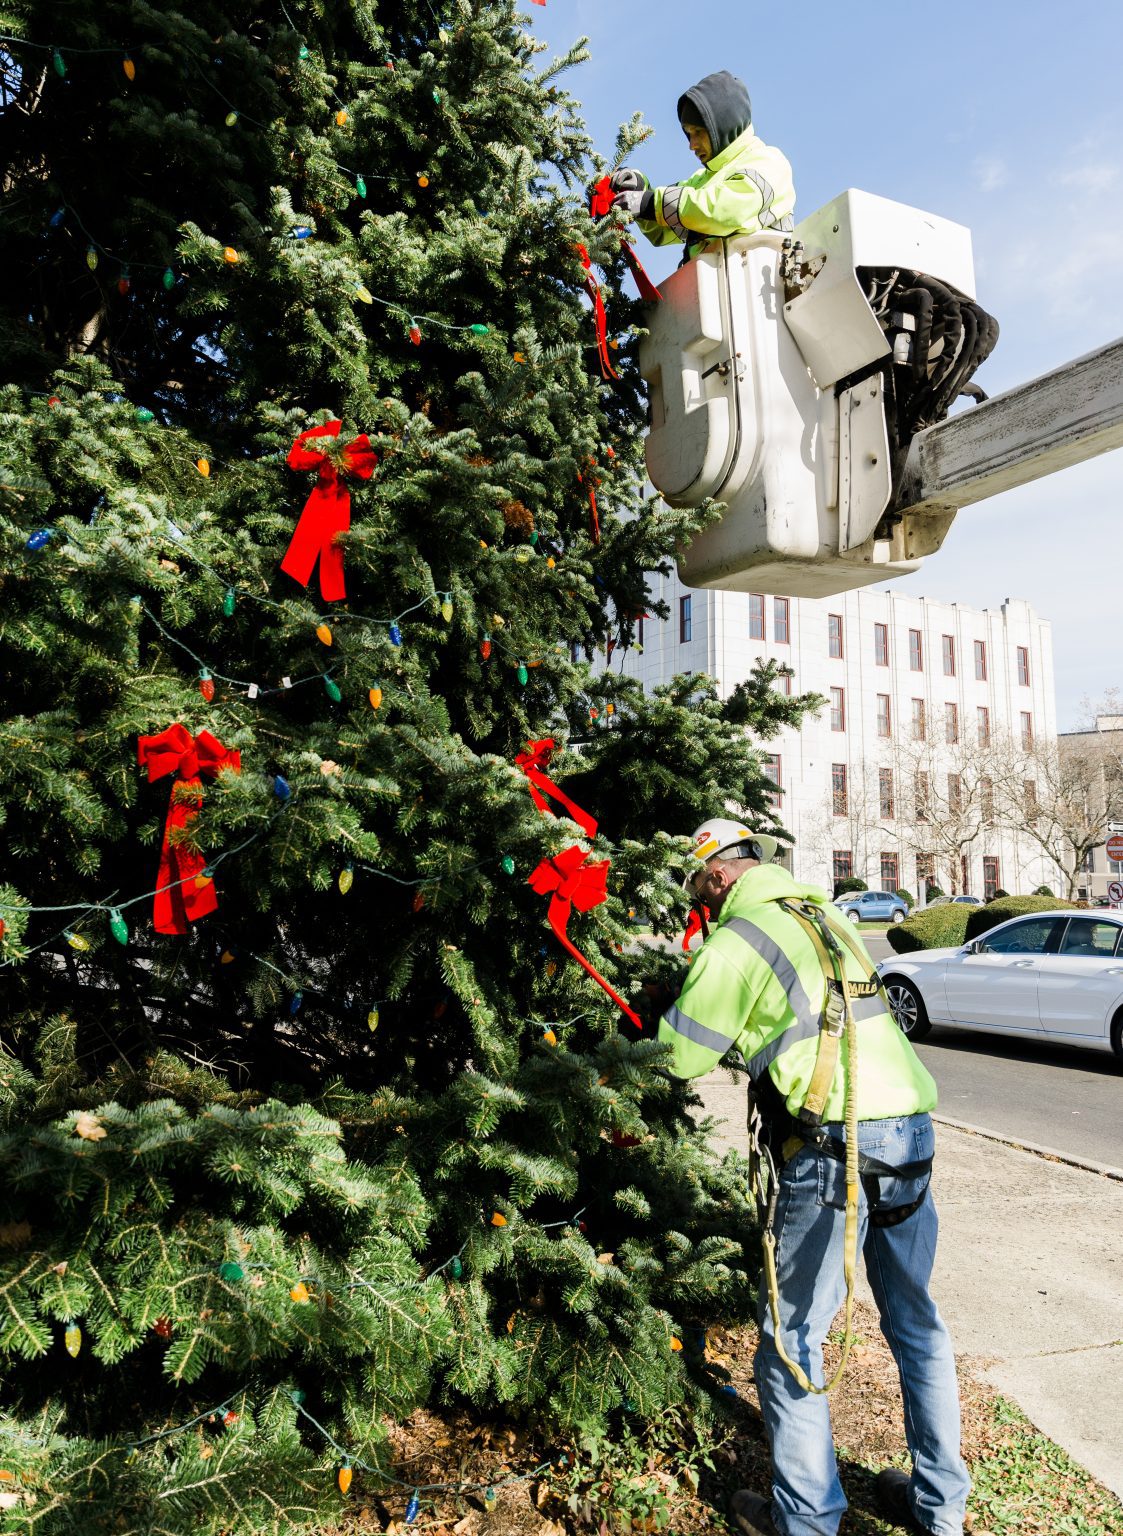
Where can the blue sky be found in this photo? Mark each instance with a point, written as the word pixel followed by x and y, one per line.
pixel 1005 117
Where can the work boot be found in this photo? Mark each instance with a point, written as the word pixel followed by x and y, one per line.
pixel 751 1514
pixel 893 1496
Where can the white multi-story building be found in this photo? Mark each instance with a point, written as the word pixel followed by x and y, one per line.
pixel 928 704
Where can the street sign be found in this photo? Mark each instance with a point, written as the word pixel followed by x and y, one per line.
pixel 1114 847
pixel 1115 892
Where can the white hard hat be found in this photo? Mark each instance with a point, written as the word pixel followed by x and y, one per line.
pixel 720 835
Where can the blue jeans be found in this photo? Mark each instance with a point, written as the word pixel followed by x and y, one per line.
pixel 807 1497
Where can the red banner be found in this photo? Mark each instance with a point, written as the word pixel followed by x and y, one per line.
pixel 179 900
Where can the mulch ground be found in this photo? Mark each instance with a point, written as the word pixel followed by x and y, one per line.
pixel 1024 1485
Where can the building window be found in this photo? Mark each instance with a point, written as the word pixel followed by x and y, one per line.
pixel 982 715
pixel 1029 791
pixel 916 651
pixel 890 872
pixel 948 647
pixel 922 797
pixel 756 616
pixel 990 877
pixel 639 631
pixel 919 722
pixel 881 645
pixel 885 794
pixel 980 661
pixel 834 635
pixel 884 723
pixel 964 873
pixel 951 723
pixel 839 796
pixel 784 681
pixel 781 620
pixel 1027 730
pixel 684 620
pixel 925 870
pixel 770 766
pixel 955 794
pixel 986 797
pixel 842 864
pixel 1023 666
pixel 838 709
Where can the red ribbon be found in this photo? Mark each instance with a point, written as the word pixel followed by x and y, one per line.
pixel 327 512
pixel 599 205
pixel 567 878
pixel 592 288
pixel 178 900
pixel 695 924
pixel 594 517
pixel 533 763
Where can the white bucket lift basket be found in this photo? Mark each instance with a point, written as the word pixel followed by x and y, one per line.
pixel 770 372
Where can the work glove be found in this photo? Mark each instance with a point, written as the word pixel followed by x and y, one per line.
pixel 635 205
pixel 627 180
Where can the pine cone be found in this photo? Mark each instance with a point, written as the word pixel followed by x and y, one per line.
pixel 519 518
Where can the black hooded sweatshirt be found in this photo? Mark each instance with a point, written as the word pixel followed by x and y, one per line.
pixel 720 104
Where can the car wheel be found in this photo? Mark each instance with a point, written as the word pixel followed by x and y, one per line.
pixel 908 1008
pixel 898 916
pixel 1117 1036
pixel 855 917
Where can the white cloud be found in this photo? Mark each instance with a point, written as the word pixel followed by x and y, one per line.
pixel 1093 179
pixel 989 172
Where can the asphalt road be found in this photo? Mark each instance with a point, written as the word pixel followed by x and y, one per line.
pixel 1050 1095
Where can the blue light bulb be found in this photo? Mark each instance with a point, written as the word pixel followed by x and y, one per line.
pixel 282 788
pixel 395 635
pixel 40 538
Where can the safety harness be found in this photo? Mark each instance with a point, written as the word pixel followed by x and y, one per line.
pixel 836 1025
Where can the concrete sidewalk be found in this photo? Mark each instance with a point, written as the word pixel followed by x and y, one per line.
pixel 1029 1279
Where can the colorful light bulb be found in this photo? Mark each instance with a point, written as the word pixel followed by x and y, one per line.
pixel 548 1036
pixel 226 957
pixel 523 554
pixel 204 878
pixel 303 52
pixel 375 697
pixel 118 926
pixel 230 597
pixel 479 329
pixel 91 257
pixel 418 901
pixel 422 179
pixel 72 1339
pixel 40 538
pixel 204 468
pixel 455 1267
pixel 415 334
pixel 281 787
pixel 229 255
pixel 56 218
pixel 343 1477
pixel 360 186
pixel 364 293
pixel 296 1002
pixel 522 674
pixel 395 634
pixel 302 232
pixel 498 1219
pixel 168 278
pixel 412 1508
pixel 231 119
pixel 446 610
pixel 129 67
pixel 507 864
pixel 124 282
pixel 59 63
pixel 77 941
pixel 346 879
pixel 485 647
pixel 301 1295
pixel 231 1271
pixel 340 118
pixel 323 634
pixel 206 685
pixel 331 688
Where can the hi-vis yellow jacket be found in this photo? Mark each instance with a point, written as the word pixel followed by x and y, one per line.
pixel 758 983
pixel 745 188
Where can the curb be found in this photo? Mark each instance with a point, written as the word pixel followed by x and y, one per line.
pixel 1103 1169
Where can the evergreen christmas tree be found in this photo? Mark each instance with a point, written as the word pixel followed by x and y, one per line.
pixel 315 511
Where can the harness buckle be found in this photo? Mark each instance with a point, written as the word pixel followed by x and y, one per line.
pixel 834 1011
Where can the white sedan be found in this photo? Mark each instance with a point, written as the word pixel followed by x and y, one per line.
pixel 1047 976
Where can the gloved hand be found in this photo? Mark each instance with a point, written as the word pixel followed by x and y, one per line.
pixel 627 180
pixel 635 205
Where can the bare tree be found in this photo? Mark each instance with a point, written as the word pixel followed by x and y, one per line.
pixel 848 819
pixel 1058 794
pixel 946 800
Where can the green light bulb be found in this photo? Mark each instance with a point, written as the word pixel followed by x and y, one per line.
pixel 118 926
pixel 508 865
pixel 144 414
pixel 59 63
pixel 228 602
pixel 479 330
pixel 168 278
pixel 455 1268
pixel 231 1271
pixel 360 186
pixel 522 675
pixel 303 51
pixel 331 688
pixel 91 257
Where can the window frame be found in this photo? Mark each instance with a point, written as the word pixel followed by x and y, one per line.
pixel 884 716
pixel 980 661
pixel 1023 665
pixel 947 653
pixel 880 645
pixel 951 723
pixel 838 709
pixel 919 718
pixel 840 790
pixel 982 724
pixel 895 861
pixel 758 618
pixel 916 650
pixel 835 637
pixel 781 605
pixel 685 620
pixel 886 796
pixel 1027 729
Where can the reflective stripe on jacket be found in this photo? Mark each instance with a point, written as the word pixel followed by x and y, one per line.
pixel 746 188
pixel 757 983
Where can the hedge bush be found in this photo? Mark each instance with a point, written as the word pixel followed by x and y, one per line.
pixel 997 911
pixel 932 928
pixel 850 883
pixel 907 897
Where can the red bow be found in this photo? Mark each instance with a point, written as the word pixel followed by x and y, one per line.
pixel 327 512
pixel 572 882
pixel 695 925
pixel 178 900
pixel 533 763
pixel 599 205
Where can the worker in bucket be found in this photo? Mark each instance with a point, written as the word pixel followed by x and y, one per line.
pixel 744 185
pixel 842 1155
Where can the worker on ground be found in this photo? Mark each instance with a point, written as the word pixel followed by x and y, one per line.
pixel 744 185
pixel 763 982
